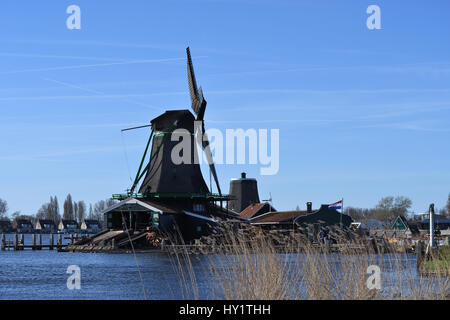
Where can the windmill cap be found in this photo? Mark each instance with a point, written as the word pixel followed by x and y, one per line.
pixel 243 178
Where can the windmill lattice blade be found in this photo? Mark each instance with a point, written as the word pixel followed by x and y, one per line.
pixel 207 150
pixel 198 103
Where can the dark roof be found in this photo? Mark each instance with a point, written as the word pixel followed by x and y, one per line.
pixel 91 221
pixel 66 222
pixel 23 221
pixel 225 213
pixel 5 222
pixel 436 221
pixel 436 215
pixel 278 216
pixel 166 208
pixel 42 221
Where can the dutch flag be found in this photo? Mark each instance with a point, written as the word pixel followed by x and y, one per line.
pixel 336 205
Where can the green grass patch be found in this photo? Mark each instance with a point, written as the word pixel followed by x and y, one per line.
pixel 444 253
pixel 441 265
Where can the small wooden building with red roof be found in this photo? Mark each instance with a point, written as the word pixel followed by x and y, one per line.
pixel 256 209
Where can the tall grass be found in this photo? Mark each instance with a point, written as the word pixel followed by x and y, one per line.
pixel 261 265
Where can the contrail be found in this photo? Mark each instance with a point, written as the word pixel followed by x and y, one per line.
pixel 46 56
pixel 97 92
pixel 96 65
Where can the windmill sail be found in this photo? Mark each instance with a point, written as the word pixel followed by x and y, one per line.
pixel 198 104
pixel 206 148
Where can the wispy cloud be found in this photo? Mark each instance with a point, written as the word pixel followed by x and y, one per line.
pixel 97 43
pixel 105 96
pixel 47 56
pixel 320 91
pixel 66 153
pixel 96 65
pixel 234 92
pixel 320 121
pixel 411 126
pixel 66 84
pixel 163 47
pixel 428 68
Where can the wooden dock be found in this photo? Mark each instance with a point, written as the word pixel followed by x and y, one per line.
pixel 18 242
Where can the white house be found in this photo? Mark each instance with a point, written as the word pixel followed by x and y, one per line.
pixel 91 226
pixel 68 226
pixel 45 226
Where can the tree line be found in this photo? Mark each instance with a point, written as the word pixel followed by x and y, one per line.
pixel 71 210
pixel 388 209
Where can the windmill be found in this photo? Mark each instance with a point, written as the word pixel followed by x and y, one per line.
pixel 160 176
pixel 172 195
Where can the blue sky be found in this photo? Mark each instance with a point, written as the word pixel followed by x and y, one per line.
pixel 362 113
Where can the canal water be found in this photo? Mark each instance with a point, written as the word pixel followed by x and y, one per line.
pixel 43 274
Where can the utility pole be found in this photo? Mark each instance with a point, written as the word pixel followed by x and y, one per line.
pixel 431 212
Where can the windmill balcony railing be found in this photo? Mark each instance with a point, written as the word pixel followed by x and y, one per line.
pixel 206 196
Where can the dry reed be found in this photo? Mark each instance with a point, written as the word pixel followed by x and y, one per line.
pixel 260 265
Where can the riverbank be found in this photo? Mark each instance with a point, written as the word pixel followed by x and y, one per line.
pixel 437 266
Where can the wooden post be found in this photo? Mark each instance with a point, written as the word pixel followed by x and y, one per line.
pixel 51 242
pixel 419 253
pixel 33 237
pixel 3 242
pixel 113 243
pixel 16 242
pixel 22 241
pixel 58 246
pixel 374 245
pixel 327 246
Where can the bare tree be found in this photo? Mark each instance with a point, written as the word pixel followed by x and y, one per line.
pixel 359 214
pixel 401 206
pixel 446 210
pixel 448 206
pixel 42 212
pixel 96 211
pixel 91 212
pixel 98 208
pixel 3 209
pixel 68 208
pixel 81 214
pixel 50 211
pixel 388 208
pixel 75 210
